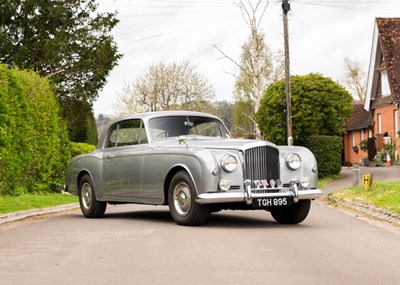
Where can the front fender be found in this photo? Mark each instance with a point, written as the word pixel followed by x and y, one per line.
pixel 308 165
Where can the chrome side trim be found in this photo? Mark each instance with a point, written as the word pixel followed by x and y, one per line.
pixel 227 197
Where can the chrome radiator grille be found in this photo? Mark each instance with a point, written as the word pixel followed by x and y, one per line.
pixel 261 163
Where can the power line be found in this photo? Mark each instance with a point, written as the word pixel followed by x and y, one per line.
pixel 363 6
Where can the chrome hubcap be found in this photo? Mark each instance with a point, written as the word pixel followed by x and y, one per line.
pixel 182 199
pixel 86 194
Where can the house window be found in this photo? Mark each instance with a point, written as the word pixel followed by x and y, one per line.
pixel 361 135
pixel 379 119
pixel 385 83
pixel 353 139
pixel 396 123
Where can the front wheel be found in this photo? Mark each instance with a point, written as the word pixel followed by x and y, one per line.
pixel 90 206
pixel 294 214
pixel 181 200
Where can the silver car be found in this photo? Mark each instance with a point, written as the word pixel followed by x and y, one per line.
pixel 190 162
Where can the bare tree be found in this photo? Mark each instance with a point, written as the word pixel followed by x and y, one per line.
pixel 256 68
pixel 355 78
pixel 164 86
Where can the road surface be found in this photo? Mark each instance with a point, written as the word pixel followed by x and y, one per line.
pixel 136 244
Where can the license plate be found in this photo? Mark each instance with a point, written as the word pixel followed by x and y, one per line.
pixel 271 202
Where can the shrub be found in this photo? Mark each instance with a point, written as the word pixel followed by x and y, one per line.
pixel 320 106
pixel 380 158
pixel 81 148
pixel 328 152
pixel 34 145
pixel 364 145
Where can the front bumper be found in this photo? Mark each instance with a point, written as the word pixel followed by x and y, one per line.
pixel 249 194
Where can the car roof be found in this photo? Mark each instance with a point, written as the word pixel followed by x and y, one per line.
pixel 158 114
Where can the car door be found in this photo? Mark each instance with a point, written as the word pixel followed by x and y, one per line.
pixel 123 159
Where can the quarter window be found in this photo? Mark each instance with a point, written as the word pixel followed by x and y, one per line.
pixel 127 133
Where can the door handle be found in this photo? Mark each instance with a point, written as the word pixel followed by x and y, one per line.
pixel 109 156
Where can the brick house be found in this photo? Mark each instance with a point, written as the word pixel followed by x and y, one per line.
pixel 382 100
pixel 359 127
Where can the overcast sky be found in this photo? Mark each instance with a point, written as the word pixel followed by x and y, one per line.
pixel 321 34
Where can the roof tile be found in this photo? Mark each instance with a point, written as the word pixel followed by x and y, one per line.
pixel 360 119
pixel 389 32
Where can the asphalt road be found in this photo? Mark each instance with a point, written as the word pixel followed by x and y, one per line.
pixel 135 244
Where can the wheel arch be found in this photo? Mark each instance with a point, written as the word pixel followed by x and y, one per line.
pixel 79 178
pixel 169 177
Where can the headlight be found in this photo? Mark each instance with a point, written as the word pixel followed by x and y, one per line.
pixel 293 161
pixel 229 163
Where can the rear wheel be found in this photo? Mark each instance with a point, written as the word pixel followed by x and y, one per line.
pixel 90 206
pixel 181 200
pixel 294 214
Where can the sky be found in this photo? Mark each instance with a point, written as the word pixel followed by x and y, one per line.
pixel 322 33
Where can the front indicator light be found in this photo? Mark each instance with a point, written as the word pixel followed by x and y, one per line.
pixel 224 184
pixel 315 169
pixel 305 182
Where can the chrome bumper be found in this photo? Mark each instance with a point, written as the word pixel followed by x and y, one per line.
pixel 248 195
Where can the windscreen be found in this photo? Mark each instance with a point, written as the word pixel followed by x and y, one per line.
pixel 176 126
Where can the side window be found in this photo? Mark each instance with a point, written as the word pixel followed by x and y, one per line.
pixel 127 133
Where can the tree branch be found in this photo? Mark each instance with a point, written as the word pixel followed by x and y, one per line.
pixel 228 57
pixel 55 73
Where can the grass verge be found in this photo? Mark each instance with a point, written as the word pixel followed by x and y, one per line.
pixel 324 181
pixel 29 201
pixel 385 195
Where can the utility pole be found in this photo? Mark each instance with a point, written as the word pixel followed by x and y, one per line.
pixel 286 9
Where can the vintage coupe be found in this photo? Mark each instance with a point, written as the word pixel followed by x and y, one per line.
pixel 190 162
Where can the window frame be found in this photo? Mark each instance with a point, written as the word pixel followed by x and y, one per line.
pixel 116 128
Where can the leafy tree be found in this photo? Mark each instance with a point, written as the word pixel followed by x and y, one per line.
pixel 250 84
pixel 34 144
pixel 270 69
pixel 223 110
pixel 166 86
pixel 67 41
pixel 102 122
pixel 81 123
pixel 320 106
pixel 242 122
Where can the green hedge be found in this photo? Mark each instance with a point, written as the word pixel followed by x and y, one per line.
pixel 81 148
pixel 34 144
pixel 328 152
pixel 380 158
